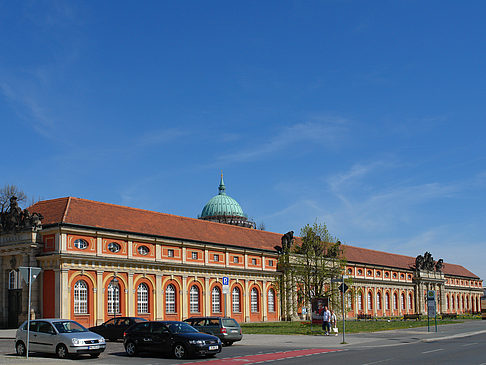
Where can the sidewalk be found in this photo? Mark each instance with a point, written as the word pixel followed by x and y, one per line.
pixel 372 339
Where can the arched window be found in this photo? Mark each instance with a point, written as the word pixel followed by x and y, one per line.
pixel 410 301
pixel 402 298
pixel 235 295
pixel 254 300
pixel 81 297
pixel 216 300
pixel 387 301
pixel 170 299
pixel 271 300
pixel 143 298
pixel 395 301
pixel 194 299
pixel 378 300
pixel 370 301
pixel 13 280
pixel 113 298
pixel 447 303
pixel 349 300
pixel 452 302
pixel 360 301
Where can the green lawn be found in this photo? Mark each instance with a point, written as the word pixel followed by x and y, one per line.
pixel 352 326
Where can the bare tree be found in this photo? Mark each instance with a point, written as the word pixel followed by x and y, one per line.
pixel 9 191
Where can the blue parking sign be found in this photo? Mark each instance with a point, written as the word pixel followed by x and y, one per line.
pixel 225 280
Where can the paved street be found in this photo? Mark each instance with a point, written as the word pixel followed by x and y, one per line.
pixel 463 343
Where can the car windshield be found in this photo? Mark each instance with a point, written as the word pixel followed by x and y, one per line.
pixel 181 327
pixel 69 327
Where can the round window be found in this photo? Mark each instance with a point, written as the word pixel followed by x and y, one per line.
pixel 368 273
pixel 143 250
pixel 360 272
pixel 114 247
pixel 402 276
pixel 387 275
pixel 350 271
pixel 394 275
pixel 81 244
pixel 378 273
pixel 409 277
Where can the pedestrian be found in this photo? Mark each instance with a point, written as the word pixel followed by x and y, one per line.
pixel 326 317
pixel 334 322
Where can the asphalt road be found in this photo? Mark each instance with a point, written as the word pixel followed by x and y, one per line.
pixel 456 344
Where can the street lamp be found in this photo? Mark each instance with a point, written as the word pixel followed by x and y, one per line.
pixel 114 287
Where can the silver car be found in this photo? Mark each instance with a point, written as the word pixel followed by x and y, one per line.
pixel 59 336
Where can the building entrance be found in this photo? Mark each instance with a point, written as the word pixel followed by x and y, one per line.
pixel 14 307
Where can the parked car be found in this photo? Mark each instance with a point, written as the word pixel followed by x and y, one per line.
pixel 114 328
pixel 227 329
pixel 170 337
pixel 59 336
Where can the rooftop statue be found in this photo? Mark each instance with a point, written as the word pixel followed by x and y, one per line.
pixel 427 263
pixel 15 219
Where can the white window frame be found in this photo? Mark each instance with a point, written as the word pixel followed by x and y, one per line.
pixel 254 300
pixel 170 299
pixel 271 301
pixel 80 297
pixel 235 300
pixel 195 255
pixel 113 298
pixel 194 299
pixel 216 300
pixel 143 298
pixel 81 244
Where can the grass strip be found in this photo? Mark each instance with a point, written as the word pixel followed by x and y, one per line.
pixel 352 326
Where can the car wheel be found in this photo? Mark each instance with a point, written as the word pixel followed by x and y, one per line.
pixel 180 351
pixel 228 343
pixel 20 348
pixel 131 349
pixel 62 351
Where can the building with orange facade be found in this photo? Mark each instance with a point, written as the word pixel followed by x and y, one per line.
pixel 102 260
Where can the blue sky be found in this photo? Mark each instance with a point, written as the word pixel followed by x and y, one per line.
pixel 368 116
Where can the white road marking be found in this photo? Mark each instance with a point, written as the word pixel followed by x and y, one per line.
pixel 427 352
pixel 377 362
pixel 470 344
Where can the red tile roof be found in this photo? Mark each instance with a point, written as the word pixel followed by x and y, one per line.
pixel 94 214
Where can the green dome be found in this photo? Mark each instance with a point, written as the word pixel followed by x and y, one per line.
pixel 222 205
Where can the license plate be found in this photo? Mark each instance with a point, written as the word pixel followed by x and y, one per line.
pixel 213 348
pixel 234 331
pixel 95 347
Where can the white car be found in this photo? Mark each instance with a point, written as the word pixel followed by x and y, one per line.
pixel 59 336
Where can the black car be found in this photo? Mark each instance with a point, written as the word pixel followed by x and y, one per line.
pixel 170 337
pixel 227 329
pixel 114 328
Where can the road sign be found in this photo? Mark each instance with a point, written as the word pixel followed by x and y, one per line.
pixel 225 285
pixel 431 309
pixel 34 272
pixel 343 288
pixel 29 274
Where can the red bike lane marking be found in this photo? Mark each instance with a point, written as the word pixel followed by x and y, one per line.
pixel 252 359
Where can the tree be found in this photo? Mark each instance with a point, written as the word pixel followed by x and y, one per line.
pixel 9 191
pixel 316 260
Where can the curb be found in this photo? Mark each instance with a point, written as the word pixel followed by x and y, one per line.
pixel 459 335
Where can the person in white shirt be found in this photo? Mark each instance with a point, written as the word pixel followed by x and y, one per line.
pixel 326 317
